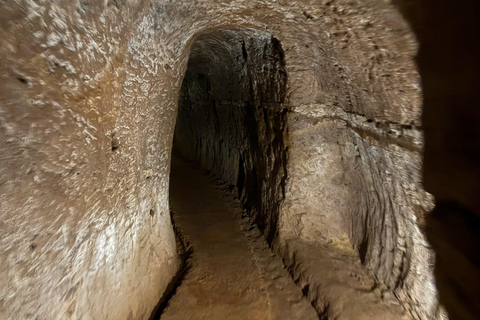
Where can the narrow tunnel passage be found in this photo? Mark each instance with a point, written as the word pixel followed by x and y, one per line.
pixel 232 274
pixel 231 122
pixel 232 117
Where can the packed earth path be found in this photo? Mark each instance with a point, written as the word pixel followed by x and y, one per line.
pixel 231 273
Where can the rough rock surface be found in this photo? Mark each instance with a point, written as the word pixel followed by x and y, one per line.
pixel 84 162
pixel 348 177
pixel 88 101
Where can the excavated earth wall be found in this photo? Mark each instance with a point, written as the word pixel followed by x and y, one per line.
pixel 88 103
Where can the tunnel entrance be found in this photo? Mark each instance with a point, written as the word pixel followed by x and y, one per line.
pixel 232 117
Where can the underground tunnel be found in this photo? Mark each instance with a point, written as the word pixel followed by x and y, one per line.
pixel 232 117
pixel 231 122
pixel 239 159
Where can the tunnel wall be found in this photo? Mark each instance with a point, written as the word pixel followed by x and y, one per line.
pixel 89 92
pixel 353 184
pixel 85 224
pixel 231 117
pixel 358 173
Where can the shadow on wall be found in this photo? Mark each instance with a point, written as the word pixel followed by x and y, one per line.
pixel 232 118
pixel 449 64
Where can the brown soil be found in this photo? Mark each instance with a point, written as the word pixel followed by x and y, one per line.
pixel 232 273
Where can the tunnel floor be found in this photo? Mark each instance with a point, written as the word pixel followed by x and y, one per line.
pixel 232 273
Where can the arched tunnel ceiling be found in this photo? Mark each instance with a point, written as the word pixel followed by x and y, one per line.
pixel 218 48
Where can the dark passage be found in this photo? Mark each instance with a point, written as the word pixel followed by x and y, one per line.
pixel 232 117
pixel 232 123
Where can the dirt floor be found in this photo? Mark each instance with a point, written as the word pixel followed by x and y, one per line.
pixel 230 272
